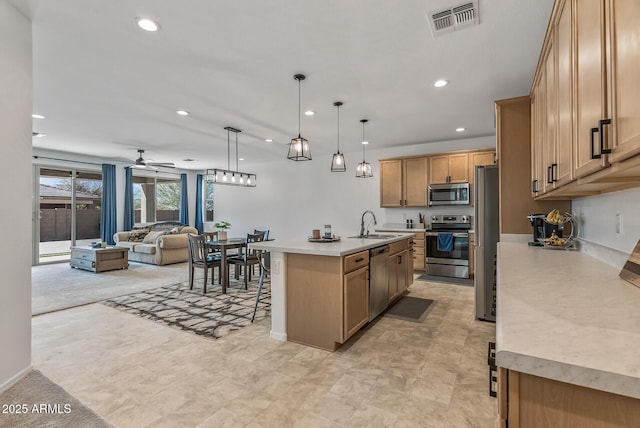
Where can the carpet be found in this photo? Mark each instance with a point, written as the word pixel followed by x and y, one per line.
pixel 414 309
pixel 58 286
pixel 43 403
pixel 211 315
pixel 468 282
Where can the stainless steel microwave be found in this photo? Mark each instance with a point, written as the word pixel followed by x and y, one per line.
pixel 449 194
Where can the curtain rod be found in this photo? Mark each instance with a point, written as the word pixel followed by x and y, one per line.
pixel 92 163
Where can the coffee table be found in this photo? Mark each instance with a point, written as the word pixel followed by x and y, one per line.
pixel 99 259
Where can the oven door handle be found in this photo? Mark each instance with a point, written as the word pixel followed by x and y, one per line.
pixel 455 235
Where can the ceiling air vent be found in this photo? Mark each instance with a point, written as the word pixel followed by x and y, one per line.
pixel 454 18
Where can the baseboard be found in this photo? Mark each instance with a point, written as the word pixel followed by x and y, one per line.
pixel 282 337
pixel 8 384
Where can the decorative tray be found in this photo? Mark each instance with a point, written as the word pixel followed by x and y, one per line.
pixel 332 239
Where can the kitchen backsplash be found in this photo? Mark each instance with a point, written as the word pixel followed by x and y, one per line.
pixel 400 215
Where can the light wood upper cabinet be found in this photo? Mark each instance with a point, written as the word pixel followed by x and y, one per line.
pixel 479 159
pixel 449 168
pixel 590 87
pixel 625 63
pixel 403 182
pixel 589 122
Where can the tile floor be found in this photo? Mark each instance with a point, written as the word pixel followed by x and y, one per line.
pixel 394 373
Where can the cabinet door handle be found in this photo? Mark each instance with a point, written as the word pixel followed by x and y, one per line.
pixel 549 178
pixel 359 259
pixel 601 124
pixel 554 170
pixel 534 186
pixel 593 154
pixel 399 260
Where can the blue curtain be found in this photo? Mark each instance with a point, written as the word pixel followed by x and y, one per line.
pixel 184 200
pixel 129 219
pixel 199 196
pixel 108 221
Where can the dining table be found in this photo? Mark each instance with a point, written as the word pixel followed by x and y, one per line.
pixel 223 247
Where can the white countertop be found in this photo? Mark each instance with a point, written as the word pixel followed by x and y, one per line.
pixel 566 316
pixel 340 248
pixel 400 229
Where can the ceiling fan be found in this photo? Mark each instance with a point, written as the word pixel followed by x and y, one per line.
pixel 149 164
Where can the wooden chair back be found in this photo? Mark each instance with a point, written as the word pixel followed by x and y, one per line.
pixel 197 250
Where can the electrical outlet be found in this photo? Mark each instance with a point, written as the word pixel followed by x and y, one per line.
pixel 276 266
pixel 618 224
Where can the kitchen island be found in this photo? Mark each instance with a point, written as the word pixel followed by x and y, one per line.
pixel 567 340
pixel 320 290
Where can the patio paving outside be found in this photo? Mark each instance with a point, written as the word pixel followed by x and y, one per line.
pixel 60 251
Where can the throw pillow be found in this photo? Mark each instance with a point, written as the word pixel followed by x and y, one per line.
pixel 152 237
pixel 137 235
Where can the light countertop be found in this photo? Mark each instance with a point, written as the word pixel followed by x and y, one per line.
pixel 400 229
pixel 340 248
pixel 566 316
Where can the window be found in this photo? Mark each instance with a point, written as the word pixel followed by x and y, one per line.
pixel 208 200
pixel 156 199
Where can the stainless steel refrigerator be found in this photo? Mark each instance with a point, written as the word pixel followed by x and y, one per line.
pixel 487 235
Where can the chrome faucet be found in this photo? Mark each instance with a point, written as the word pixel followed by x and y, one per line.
pixel 362 231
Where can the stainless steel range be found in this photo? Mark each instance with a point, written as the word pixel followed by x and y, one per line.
pixel 447 246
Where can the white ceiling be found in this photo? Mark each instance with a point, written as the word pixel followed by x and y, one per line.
pixel 108 88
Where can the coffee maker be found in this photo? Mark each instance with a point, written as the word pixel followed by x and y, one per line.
pixel 542 229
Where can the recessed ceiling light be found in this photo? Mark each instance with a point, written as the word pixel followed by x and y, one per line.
pixel 38 134
pixel 182 113
pixel 309 113
pixel 365 142
pixel 440 83
pixel 240 158
pixel 461 129
pixel 37 116
pixel 147 24
pixel 269 140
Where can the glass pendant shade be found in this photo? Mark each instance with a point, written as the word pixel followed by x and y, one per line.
pixel 363 170
pixel 337 163
pixel 299 147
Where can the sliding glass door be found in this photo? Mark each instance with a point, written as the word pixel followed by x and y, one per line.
pixel 68 212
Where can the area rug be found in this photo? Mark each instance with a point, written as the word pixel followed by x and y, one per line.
pixel 447 280
pixel 414 309
pixel 211 315
pixel 58 286
pixel 36 401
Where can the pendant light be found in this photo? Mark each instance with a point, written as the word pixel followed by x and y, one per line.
pixel 299 147
pixel 337 163
pixel 228 176
pixel 363 170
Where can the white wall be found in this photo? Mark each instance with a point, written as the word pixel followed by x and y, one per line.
pixel 15 179
pixel 292 198
pixel 597 224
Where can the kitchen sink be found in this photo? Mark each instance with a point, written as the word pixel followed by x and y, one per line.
pixel 375 236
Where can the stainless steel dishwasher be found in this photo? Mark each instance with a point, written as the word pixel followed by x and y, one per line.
pixel 378 280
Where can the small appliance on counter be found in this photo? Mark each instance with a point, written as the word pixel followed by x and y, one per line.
pixel 542 230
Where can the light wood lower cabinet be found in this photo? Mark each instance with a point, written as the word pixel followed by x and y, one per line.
pixel 356 300
pixel 526 401
pixel 418 251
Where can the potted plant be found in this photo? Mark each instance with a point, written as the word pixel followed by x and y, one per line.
pixel 222 227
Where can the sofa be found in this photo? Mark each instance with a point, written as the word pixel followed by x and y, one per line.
pixel 160 243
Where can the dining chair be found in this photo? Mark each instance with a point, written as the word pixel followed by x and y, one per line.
pixel 247 258
pixel 264 270
pixel 199 257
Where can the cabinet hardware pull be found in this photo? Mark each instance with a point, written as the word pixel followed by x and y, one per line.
pixel 601 124
pixel 593 155
pixel 359 259
pixel 534 186
pixel 399 260
pixel 554 170
pixel 549 178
